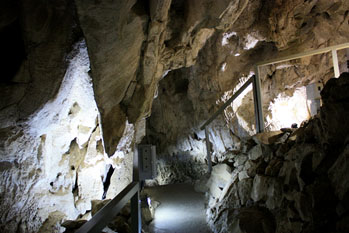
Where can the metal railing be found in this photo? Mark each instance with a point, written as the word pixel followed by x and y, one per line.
pixel 109 211
pixel 257 95
pixel 254 80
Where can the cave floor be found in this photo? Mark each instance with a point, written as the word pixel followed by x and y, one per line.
pixel 182 210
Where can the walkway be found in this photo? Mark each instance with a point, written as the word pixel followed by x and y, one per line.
pixel 181 210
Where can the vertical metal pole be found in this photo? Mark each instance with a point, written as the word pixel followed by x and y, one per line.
pixel 257 96
pixel 136 220
pixel 335 63
pixel 347 51
pixel 208 151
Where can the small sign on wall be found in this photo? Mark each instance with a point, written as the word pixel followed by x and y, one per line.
pixel 147 161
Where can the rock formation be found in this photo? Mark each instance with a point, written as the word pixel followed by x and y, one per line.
pixel 80 78
pixel 296 183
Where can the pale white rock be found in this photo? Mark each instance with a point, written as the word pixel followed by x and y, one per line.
pixel 243 175
pixel 220 177
pixel 255 152
pixel 240 160
pixel 259 188
pixel 121 177
pixel 244 189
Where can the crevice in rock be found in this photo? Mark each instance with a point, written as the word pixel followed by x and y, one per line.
pixel 106 181
pixel 12 50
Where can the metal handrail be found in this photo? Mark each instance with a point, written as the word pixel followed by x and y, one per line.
pixel 257 95
pixel 227 103
pixel 303 54
pixel 258 113
pixel 109 211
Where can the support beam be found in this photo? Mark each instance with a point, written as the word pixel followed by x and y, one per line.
pixel 208 151
pixel 257 96
pixel 335 63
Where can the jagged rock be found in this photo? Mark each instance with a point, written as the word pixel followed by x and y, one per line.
pixel 339 174
pixel 243 175
pixel 268 137
pixel 72 226
pixel 250 220
pixel 97 205
pixel 260 187
pixel 303 206
pixel 273 167
pixel 240 160
pixel 220 177
pixel 255 152
pixel 335 97
pixel 244 189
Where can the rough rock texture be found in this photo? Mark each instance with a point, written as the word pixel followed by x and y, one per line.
pixel 296 185
pixel 52 151
pixel 264 30
pixel 54 164
pixel 131 45
pixel 52 142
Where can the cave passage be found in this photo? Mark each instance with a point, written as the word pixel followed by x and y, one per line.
pixel 181 209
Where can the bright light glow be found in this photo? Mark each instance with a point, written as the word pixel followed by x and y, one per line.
pixel 226 36
pixel 224 66
pixel 251 42
pixel 237 54
pixel 149 201
pixel 286 110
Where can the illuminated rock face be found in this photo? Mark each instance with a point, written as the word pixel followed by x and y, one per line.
pixel 298 184
pixel 55 164
pixel 53 143
pixel 226 61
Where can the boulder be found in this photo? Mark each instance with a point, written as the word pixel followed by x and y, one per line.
pixel 255 152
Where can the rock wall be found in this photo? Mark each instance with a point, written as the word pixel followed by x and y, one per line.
pixel 264 30
pixel 290 180
pixel 54 164
pixel 52 140
pixel 53 160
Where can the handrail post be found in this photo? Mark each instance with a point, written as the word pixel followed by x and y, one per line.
pixel 335 63
pixel 208 151
pixel 136 220
pixel 257 96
